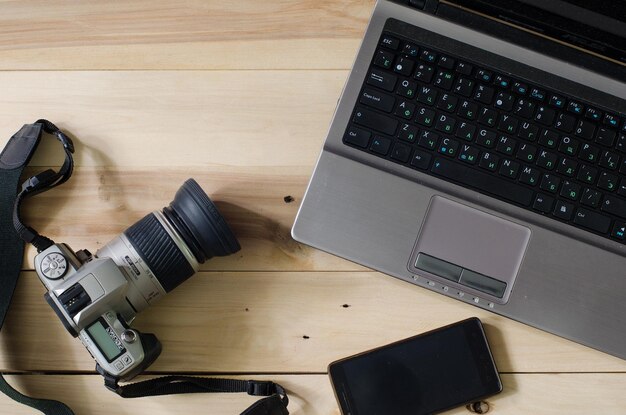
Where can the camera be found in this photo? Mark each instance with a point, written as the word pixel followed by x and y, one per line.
pixel 98 296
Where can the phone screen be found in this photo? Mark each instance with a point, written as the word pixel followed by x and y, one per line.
pixel 424 374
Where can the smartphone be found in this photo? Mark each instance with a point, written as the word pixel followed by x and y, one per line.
pixel 425 374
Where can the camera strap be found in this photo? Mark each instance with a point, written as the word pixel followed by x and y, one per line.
pixel 13 233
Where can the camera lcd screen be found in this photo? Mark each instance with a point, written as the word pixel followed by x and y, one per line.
pixel 103 340
pixel 421 375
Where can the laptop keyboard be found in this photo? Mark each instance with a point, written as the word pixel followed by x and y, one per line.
pixel 454 119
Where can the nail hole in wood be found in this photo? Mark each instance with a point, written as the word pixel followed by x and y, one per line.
pixel 288 199
pixel 305 337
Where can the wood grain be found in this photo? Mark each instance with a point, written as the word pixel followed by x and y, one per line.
pixel 554 394
pixel 191 34
pixel 295 322
pixel 176 118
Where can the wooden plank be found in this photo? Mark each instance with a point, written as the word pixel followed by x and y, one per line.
pixel 284 322
pixel 572 394
pixel 99 203
pixel 195 34
pixel 176 118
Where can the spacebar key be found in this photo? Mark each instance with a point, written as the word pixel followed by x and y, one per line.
pixel 482 181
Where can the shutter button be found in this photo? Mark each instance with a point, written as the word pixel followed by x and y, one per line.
pixel 129 336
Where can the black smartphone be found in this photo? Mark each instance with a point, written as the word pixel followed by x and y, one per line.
pixel 425 374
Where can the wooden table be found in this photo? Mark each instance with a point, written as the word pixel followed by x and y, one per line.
pixel 238 95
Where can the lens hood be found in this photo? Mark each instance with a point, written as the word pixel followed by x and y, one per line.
pixel 200 223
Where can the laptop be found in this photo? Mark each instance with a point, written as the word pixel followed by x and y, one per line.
pixel 479 151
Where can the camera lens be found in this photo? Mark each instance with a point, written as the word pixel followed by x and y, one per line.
pixel 186 233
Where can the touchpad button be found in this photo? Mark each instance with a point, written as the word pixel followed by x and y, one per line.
pixel 485 251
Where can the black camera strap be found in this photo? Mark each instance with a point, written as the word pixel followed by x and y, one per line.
pixel 13 233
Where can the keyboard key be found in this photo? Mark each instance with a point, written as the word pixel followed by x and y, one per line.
pixel 593 114
pixel 380 145
pixel 524 108
pixel 445 123
pixel 526 153
pixel 621 143
pixel 545 115
pixel 506 145
pixel 619 231
pixel 614 206
pixel 468 110
pixel 447 102
pixel 567 167
pixel 410 50
pixel 529 175
pixel 621 189
pixel 377 100
pixel 508 124
pixel 469 154
pixel 405 109
pixel 547 160
pixel 428 140
pixel 550 183
pixel 570 190
pixel 548 139
pixel 446 62
pixel 509 169
pixel 611 120
pixel 404 66
pixel 425 116
pixel 376 121
pixel 502 81
pixel 384 59
pixel 569 146
pixel 449 147
pixel 466 131
pixel 382 80
pixel 543 203
pixel 565 122
pixel 605 137
pixel 408 133
pixel 427 95
pixel 464 68
pixel 484 75
pixel 505 101
pixel 428 56
pixel 464 87
pixel 421 159
pixel 608 181
pixel 390 42
pixel 424 73
pixel 520 88
pixel 563 210
pixel 589 153
pixel 487 116
pixel 592 220
pixel 484 94
pixel 357 137
pixel 585 129
pixel 528 131
pixel 537 94
pixel 489 161
pixel 609 160
pixel 557 101
pixel 576 107
pixel 407 89
pixel 587 174
pixel 401 152
pixel 591 197
pixel 483 181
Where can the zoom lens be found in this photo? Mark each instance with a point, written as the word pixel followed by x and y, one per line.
pixel 173 242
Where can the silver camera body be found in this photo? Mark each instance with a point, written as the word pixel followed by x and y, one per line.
pixel 97 297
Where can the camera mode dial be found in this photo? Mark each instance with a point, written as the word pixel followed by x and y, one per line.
pixel 54 266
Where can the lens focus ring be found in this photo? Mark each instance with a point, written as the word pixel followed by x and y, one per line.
pixel 159 252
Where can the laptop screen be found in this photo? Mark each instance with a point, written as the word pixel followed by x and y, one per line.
pixel 595 26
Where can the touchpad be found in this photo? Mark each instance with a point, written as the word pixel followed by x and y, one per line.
pixel 471 250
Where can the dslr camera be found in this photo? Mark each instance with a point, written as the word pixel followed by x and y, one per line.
pixel 98 296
